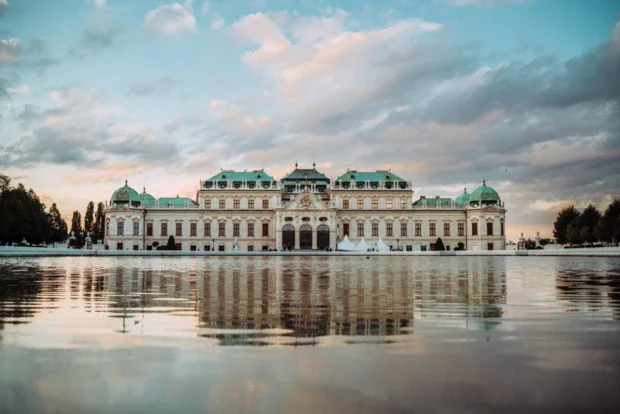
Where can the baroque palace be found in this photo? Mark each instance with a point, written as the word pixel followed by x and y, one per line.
pixel 250 211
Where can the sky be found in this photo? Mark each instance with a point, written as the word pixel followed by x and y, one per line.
pixel 445 93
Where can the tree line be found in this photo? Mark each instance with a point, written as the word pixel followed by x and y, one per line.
pixel 588 226
pixel 93 224
pixel 24 217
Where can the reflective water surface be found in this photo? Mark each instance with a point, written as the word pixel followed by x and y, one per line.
pixel 309 334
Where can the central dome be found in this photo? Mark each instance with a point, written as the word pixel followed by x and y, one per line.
pixel 484 193
pixel 125 195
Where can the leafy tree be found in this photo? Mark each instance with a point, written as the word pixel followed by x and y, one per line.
pixel 573 233
pixel 460 246
pixel 609 226
pixel 99 228
pixel 560 227
pixel 588 221
pixel 439 245
pixel 89 219
pixel 76 230
pixel 530 244
pixel 59 226
pixel 171 244
pixel 545 241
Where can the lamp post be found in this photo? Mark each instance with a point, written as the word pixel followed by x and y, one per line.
pixel 212 245
pixel 396 244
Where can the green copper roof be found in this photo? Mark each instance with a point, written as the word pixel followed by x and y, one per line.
pixel 373 177
pixel 463 199
pixel 240 176
pixel 175 201
pixel 433 202
pixel 125 195
pixel 484 193
pixel 300 174
pixel 146 198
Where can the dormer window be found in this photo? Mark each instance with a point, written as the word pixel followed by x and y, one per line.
pixel 223 177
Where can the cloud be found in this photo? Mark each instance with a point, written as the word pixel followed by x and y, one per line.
pixel 80 128
pixel 171 19
pixel 9 49
pixel 204 9
pixel 464 3
pixel 158 86
pixel 20 89
pixel 100 3
pixel 33 56
pixel 217 24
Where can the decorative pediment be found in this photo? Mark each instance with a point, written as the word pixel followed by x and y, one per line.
pixel 306 201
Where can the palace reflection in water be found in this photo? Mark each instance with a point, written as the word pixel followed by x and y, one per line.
pixel 260 301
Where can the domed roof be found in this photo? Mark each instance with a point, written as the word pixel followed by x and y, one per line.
pixel 484 193
pixel 146 198
pixel 463 199
pixel 125 194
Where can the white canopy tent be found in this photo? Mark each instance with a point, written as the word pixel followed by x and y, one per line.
pixel 362 246
pixel 382 247
pixel 346 245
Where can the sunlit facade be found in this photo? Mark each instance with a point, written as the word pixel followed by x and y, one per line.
pixel 251 211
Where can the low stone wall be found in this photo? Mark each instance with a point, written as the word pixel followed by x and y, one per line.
pixel 41 251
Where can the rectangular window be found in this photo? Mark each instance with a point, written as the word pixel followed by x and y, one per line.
pixel 136 228
pixel 375 229
pixel 345 204
pixel 403 229
pixel 265 229
pixel 236 203
pixel 222 231
pixel 265 204
pixel 375 204
pixel 178 245
pixel 119 246
pixel 107 228
pixel 418 229
pixel 432 231
pixel 489 229
pixel 179 229
pixel 208 203
pixel 222 248
pixel 389 230
pixel 208 229
pixel 446 229
pixel 345 229
pixel 136 247
pixel 388 203
pixel 502 227
pixel 192 248
pixel 250 248
pixel 193 229
pixel 474 229
pixel 149 229
pixel 403 203
pixel 120 228
pixel 251 203
pixel 222 203
pixel 164 229
pixel 250 229
pixel 360 229
pixel 461 229
pixel 360 203
pixel 235 229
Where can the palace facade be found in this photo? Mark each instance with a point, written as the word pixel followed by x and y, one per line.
pixel 305 210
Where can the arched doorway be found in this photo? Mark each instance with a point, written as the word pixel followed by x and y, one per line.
pixel 322 237
pixel 305 237
pixel 288 237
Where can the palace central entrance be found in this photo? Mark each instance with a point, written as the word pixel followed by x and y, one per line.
pixel 305 237
pixel 322 237
pixel 288 237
